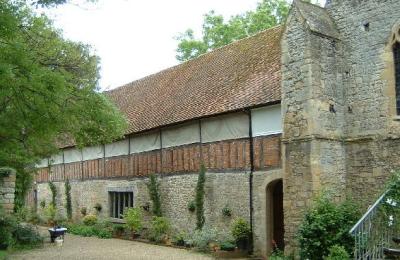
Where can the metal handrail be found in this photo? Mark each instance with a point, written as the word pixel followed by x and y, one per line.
pixel 369 211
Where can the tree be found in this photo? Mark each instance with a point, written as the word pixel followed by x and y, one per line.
pixel 49 93
pixel 154 192
pixel 200 198
pixel 217 33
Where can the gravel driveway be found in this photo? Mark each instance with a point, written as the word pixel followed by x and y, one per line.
pixel 76 247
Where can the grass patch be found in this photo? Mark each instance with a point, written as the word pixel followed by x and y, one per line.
pixel 3 254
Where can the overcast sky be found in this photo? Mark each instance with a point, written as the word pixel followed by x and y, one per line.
pixel 135 38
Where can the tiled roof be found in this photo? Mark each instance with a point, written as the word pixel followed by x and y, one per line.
pixel 243 74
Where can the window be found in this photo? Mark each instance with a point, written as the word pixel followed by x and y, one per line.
pixel 396 54
pixel 118 202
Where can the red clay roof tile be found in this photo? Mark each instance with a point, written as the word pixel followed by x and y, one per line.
pixel 243 74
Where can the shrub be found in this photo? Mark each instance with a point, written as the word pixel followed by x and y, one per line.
pixel 226 211
pixel 227 246
pixel 278 254
pixel 201 238
pixel 160 227
pixel 240 230
pixel 327 224
pixel 90 220
pixel 26 236
pixel 154 193
pixel 13 234
pixel 68 201
pixel 118 229
pixel 50 213
pixel 133 218
pixel 53 190
pixel 179 239
pixel 200 198
pixel 192 206
pixel 7 227
pixel 337 252
pixel 100 230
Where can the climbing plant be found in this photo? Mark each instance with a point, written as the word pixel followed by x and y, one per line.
pixel 154 192
pixel 53 190
pixel 68 204
pixel 200 198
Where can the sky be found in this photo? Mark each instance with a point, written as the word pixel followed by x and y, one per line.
pixel 136 38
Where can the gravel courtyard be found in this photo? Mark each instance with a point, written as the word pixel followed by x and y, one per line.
pixel 76 247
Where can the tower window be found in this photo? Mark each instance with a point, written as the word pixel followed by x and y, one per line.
pixel 396 54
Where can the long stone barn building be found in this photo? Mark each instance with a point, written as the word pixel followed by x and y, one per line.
pixel 275 118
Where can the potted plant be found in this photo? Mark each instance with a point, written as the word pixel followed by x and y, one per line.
pixel 241 233
pixel 133 218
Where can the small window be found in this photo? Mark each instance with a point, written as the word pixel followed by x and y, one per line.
pixel 396 54
pixel 119 201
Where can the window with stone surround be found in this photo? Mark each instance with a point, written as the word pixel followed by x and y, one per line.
pixel 119 201
pixel 396 54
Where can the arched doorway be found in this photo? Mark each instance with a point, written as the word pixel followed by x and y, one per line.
pixel 274 216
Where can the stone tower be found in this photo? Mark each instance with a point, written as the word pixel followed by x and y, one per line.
pixel 339 112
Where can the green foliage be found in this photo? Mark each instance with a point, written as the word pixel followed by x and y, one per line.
pixel 327 224
pixel 26 236
pixel 337 252
pixel 53 189
pixel 49 92
pixel 118 228
pixel 241 230
pixel 392 197
pixel 154 193
pixel 7 227
pixel 5 172
pixel 16 235
pixel 201 238
pixel 217 32
pixel 100 230
pixel 50 212
pixel 43 204
pixel 134 220
pixel 227 246
pixel 22 185
pixel 200 219
pixel 226 211
pixel 68 200
pixel 278 255
pixel 179 239
pixel 160 227
pixel 90 220
pixel 98 207
pixel 192 206
pixel 83 211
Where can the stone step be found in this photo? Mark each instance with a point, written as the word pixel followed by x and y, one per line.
pixel 391 252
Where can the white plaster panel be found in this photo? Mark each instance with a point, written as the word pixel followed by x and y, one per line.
pixel 266 120
pixel 117 148
pixel 56 158
pixel 220 128
pixel 72 155
pixel 181 135
pixel 93 152
pixel 145 142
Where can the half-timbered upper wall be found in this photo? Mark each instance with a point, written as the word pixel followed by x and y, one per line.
pixel 222 142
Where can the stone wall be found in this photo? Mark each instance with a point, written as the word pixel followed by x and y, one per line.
pixel 341 132
pixel 312 102
pixel 7 190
